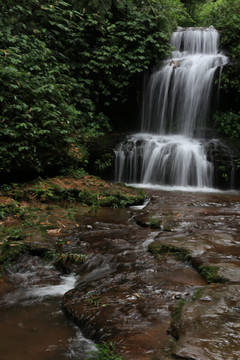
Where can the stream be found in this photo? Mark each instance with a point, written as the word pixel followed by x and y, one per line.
pixel 123 293
pixel 32 322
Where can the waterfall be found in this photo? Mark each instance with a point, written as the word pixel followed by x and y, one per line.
pixel 178 100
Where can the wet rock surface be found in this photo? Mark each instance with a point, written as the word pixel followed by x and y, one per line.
pixel 126 294
pixel 209 328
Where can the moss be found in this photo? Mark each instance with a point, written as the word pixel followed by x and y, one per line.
pixel 87 198
pixel 10 252
pixel 177 311
pixel 197 294
pixel 120 200
pixel 210 273
pixel 154 247
pixel 12 209
pixel 106 351
pixel 87 190
pixel 159 249
pixel 154 223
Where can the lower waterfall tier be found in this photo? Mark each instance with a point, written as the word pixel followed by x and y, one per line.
pixel 166 160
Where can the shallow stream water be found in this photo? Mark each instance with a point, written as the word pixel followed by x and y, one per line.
pixel 123 293
pixel 32 324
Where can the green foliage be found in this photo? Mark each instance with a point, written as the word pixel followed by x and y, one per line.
pixel 125 43
pixel 48 191
pixel 224 15
pixel 193 6
pixel 228 123
pixel 93 300
pixel 106 351
pixel 197 294
pixel 74 173
pixel 9 252
pixel 176 314
pixel 172 9
pixel 164 250
pixel 63 261
pixel 120 200
pixel 36 110
pixel 62 68
pixel 155 223
pixel 12 209
pixel 210 273
pixel 104 162
pixel 87 197
pixel 14 234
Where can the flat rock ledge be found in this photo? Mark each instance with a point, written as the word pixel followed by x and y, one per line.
pixel 209 328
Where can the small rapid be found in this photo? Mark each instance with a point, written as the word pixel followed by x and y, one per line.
pixel 32 320
pixel 172 148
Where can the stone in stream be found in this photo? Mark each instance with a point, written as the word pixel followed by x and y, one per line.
pixel 209 328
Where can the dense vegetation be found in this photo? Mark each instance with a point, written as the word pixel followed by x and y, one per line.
pixel 225 16
pixel 69 69
pixel 62 69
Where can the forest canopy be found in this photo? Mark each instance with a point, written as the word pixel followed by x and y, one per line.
pixel 69 70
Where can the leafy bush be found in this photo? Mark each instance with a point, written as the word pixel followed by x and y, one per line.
pixel 37 115
pixel 12 209
pixel 228 123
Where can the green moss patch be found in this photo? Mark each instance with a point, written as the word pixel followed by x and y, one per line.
pixel 159 249
pixel 87 190
pixel 42 212
pixel 210 273
pixel 10 252
pixel 176 314
pixel 106 351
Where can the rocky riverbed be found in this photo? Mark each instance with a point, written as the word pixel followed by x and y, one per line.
pixel 161 281
pixel 182 298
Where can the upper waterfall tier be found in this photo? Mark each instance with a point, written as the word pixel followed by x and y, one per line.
pixel 195 41
pixel 181 95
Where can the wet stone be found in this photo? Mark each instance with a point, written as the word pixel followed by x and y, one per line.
pixel 127 294
pixel 209 327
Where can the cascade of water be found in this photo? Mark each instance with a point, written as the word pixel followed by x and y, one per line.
pixel 179 95
pixel 177 103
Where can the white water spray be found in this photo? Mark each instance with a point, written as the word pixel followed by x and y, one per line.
pixel 177 104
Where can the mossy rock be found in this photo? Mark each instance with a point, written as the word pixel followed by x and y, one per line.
pixel 150 222
pixel 160 249
pixel 210 273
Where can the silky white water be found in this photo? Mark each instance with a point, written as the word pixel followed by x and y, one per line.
pixel 178 101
